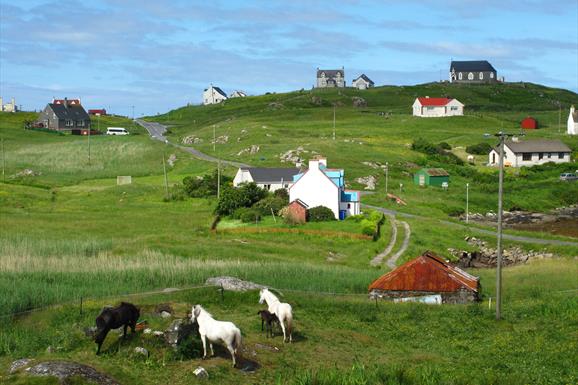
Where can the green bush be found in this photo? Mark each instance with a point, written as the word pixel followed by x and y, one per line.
pixel 422 145
pixel 205 186
pixel 250 215
pixel 444 146
pixel 320 214
pixel 269 203
pixel 246 195
pixel 282 194
pixel 483 148
pixel 368 227
pixel 355 218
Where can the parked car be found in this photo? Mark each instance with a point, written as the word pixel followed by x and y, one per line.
pixel 568 176
pixel 116 131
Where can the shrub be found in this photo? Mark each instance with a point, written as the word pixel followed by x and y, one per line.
pixel 444 146
pixel 205 186
pixel 291 219
pixel 243 196
pixel 320 214
pixel 479 149
pixel 269 203
pixel 282 194
pixel 355 218
pixel 422 145
pixel 250 216
pixel 176 193
pixel 368 227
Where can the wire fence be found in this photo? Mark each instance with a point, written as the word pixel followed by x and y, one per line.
pixel 218 288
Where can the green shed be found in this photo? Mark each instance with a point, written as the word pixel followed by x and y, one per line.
pixel 431 177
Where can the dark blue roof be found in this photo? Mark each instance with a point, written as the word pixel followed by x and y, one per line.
pixel 472 65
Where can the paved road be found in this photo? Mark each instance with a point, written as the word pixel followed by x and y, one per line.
pixel 510 237
pixel 157 132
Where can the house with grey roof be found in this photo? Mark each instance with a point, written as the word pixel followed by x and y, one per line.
pixel 530 153
pixel 362 82
pixel 472 72
pixel 330 78
pixel 573 122
pixel 269 179
pixel 64 115
pixel 238 94
pixel 213 95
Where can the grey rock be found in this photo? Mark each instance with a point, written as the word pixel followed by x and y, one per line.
pixel 18 364
pixel 200 372
pixel 233 283
pixel 63 370
pixel 142 351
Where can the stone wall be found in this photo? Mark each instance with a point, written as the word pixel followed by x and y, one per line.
pixel 461 296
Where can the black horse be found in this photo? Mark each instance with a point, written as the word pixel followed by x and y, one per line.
pixel 268 319
pixel 126 314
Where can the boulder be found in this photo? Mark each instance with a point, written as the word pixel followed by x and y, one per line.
pixel 233 283
pixel 64 369
pixel 18 364
pixel 200 372
pixel 142 351
pixel 178 331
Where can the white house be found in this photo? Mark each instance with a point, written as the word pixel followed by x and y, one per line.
pixel 8 107
pixel 362 82
pixel 330 78
pixel 322 186
pixel 238 94
pixel 213 95
pixel 269 179
pixel 531 153
pixel 437 107
pixel 573 122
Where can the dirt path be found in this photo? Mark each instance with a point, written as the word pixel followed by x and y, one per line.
pixel 391 262
pixel 378 259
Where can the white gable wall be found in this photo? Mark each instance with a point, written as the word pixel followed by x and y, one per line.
pixel 453 108
pixel 572 125
pixel 211 96
pixel 314 188
pixel 242 176
pixel 517 160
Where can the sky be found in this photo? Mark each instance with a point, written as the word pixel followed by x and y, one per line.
pixel 159 55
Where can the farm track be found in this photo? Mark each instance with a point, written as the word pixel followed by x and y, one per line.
pixel 391 262
pixel 378 259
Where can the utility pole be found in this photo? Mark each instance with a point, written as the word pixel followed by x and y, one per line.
pixel 499 262
pixel 467 203
pixel 333 121
pixel 219 179
pixel 132 113
pixel 214 138
pixel 166 180
pixel 3 163
pixel 386 176
pixel 89 145
pixel 559 116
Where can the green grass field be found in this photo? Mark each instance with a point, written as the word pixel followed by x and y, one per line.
pixel 68 231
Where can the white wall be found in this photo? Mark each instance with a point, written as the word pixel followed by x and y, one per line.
pixel 242 176
pixel 314 188
pixel 516 160
pixel 572 125
pixel 210 96
pixel 353 208
pixel 453 108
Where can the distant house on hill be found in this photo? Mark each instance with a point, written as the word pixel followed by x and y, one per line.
pixel 97 112
pixel 64 115
pixel 322 186
pixel 437 107
pixel 530 153
pixel 573 122
pixel 476 71
pixel 213 95
pixel 269 179
pixel 238 94
pixel 529 123
pixel 330 78
pixel 427 278
pixel 362 82
pixel 8 107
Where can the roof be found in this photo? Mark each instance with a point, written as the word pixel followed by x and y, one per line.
pixel 300 203
pixel 574 114
pixel 539 145
pixel 218 90
pixel 330 73
pixel 434 101
pixel 66 101
pixel 74 112
pixel 472 65
pixel 362 76
pixel 261 174
pixel 435 172
pixel 428 273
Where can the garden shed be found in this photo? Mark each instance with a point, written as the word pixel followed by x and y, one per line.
pixel 426 276
pixel 529 123
pixel 431 177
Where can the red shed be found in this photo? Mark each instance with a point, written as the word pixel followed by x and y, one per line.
pixel 529 123
pixel 427 275
pixel 298 210
pixel 97 112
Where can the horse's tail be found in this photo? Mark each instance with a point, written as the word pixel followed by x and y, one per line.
pixel 237 340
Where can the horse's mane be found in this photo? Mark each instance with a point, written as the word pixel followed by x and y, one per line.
pixel 204 311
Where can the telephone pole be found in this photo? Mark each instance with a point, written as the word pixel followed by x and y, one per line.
pixel 467 203
pixel 218 179
pixel 333 121
pixel 214 138
pixel 89 145
pixel 3 163
pixel 166 180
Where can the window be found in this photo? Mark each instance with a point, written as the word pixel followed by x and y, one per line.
pixel 349 205
pixel 460 76
pixel 481 76
pixel 470 76
pixel 285 186
pixel 80 123
pixel 491 75
pixel 453 108
pixel 540 155
pixel 69 123
pixel 560 155
pixel 549 155
pixel 527 156
pixel 429 108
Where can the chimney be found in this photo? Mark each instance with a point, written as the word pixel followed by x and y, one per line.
pixel 65 102
pixel 427 97
pixel 313 164
pixel 515 139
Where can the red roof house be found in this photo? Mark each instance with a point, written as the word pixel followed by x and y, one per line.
pixel 427 275
pixel 529 123
pixel 99 112
pixel 437 107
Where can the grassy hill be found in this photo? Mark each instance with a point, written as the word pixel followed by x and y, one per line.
pixel 68 231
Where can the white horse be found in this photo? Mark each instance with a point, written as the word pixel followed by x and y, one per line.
pixel 216 331
pixel 282 310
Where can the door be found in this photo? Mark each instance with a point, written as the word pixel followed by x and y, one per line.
pixel 494 157
pixel 422 180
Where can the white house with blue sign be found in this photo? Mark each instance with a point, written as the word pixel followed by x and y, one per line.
pixel 322 186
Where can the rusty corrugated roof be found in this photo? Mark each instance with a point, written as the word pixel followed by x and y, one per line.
pixel 427 272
